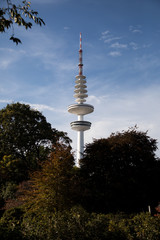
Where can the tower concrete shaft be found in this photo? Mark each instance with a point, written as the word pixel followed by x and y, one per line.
pixel 80 109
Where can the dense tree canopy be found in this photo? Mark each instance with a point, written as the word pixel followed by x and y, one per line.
pixel 17 13
pixel 25 138
pixel 60 201
pixel 120 173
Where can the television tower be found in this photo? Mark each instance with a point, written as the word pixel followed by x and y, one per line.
pixel 80 108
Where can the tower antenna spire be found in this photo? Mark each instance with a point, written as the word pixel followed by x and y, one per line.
pixel 80 40
pixel 80 57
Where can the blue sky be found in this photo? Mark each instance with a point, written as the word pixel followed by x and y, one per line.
pixel 121 56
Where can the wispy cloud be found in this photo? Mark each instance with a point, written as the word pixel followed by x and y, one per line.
pixel 42 107
pixel 135 29
pixel 105 33
pixel 49 1
pixel 39 107
pixel 5 101
pixel 107 37
pixel 9 56
pixel 134 45
pixel 114 54
pixel 118 45
pixel 115 42
pixel 111 39
pixel 94 99
pixel 66 28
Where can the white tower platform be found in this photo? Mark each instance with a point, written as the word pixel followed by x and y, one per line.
pixel 80 108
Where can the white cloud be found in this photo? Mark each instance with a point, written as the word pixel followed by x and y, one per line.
pixel 107 37
pixel 66 28
pixel 5 101
pixel 110 39
pixel 135 29
pixel 42 107
pixel 118 45
pixel 93 99
pixel 105 32
pixel 48 1
pixel 39 107
pixel 115 54
pixel 134 45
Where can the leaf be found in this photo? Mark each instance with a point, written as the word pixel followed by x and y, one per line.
pixel 14 13
pixel 16 40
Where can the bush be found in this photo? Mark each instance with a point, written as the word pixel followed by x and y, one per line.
pixel 146 227
pixel 10 225
pixel 77 224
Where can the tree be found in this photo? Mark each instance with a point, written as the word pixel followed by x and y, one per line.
pixel 26 139
pixel 51 187
pixel 16 14
pixel 120 173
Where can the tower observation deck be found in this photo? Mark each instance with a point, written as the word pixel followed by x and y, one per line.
pixel 80 108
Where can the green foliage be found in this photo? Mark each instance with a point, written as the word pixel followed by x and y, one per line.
pixel 118 173
pixel 18 14
pixel 146 227
pixel 66 225
pixel 8 190
pixel 25 140
pixel 77 224
pixel 10 225
pixel 51 186
pixel 10 169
